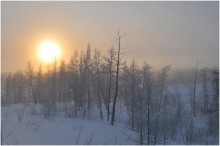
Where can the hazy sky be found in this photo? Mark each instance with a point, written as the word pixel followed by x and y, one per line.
pixel 160 33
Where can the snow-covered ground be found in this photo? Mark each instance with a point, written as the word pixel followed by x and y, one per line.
pixel 30 127
pixel 25 124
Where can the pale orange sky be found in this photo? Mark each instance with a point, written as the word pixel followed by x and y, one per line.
pixel 161 33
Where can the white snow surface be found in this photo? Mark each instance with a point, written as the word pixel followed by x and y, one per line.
pixel 33 128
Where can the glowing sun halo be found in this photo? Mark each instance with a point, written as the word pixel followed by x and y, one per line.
pixel 48 51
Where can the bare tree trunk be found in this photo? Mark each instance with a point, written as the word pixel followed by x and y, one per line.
pixel 165 133
pixel 163 77
pixel 141 117
pixel 102 92
pixel 148 119
pixel 8 89
pixel 205 91
pixel 194 92
pixel 161 93
pixel 155 134
pixel 109 93
pixel 117 74
pixel 98 89
pixel 89 98
pixel 132 107
pixel 30 75
pixel 100 105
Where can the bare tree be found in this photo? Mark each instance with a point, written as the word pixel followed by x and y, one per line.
pixel 118 41
pixel 82 83
pixel 50 99
pixel 140 113
pixel 39 85
pixel 132 79
pixel 18 87
pixel 62 78
pixel 30 76
pixel 215 87
pixel 204 73
pixel 163 77
pixel 54 84
pixel 213 116
pixel 74 83
pixel 148 86
pixel 97 63
pixel 87 62
pixel 110 67
pixel 162 83
pixel 8 89
pixel 194 91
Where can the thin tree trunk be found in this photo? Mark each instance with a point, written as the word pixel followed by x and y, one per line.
pixel 102 92
pixel 132 108
pixel 148 119
pixel 155 135
pixel 100 105
pixel 165 133
pixel 205 94
pixel 116 88
pixel 161 93
pixel 109 93
pixel 194 92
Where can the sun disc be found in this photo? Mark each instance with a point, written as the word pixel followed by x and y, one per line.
pixel 48 51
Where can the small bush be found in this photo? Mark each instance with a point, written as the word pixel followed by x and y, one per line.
pixel 20 114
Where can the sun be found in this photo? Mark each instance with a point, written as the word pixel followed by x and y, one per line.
pixel 48 51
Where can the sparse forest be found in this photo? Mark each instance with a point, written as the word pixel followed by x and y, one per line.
pixel 162 107
pixel 68 77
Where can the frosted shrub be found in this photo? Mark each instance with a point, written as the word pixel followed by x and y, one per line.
pixel 20 114
pixel 48 110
